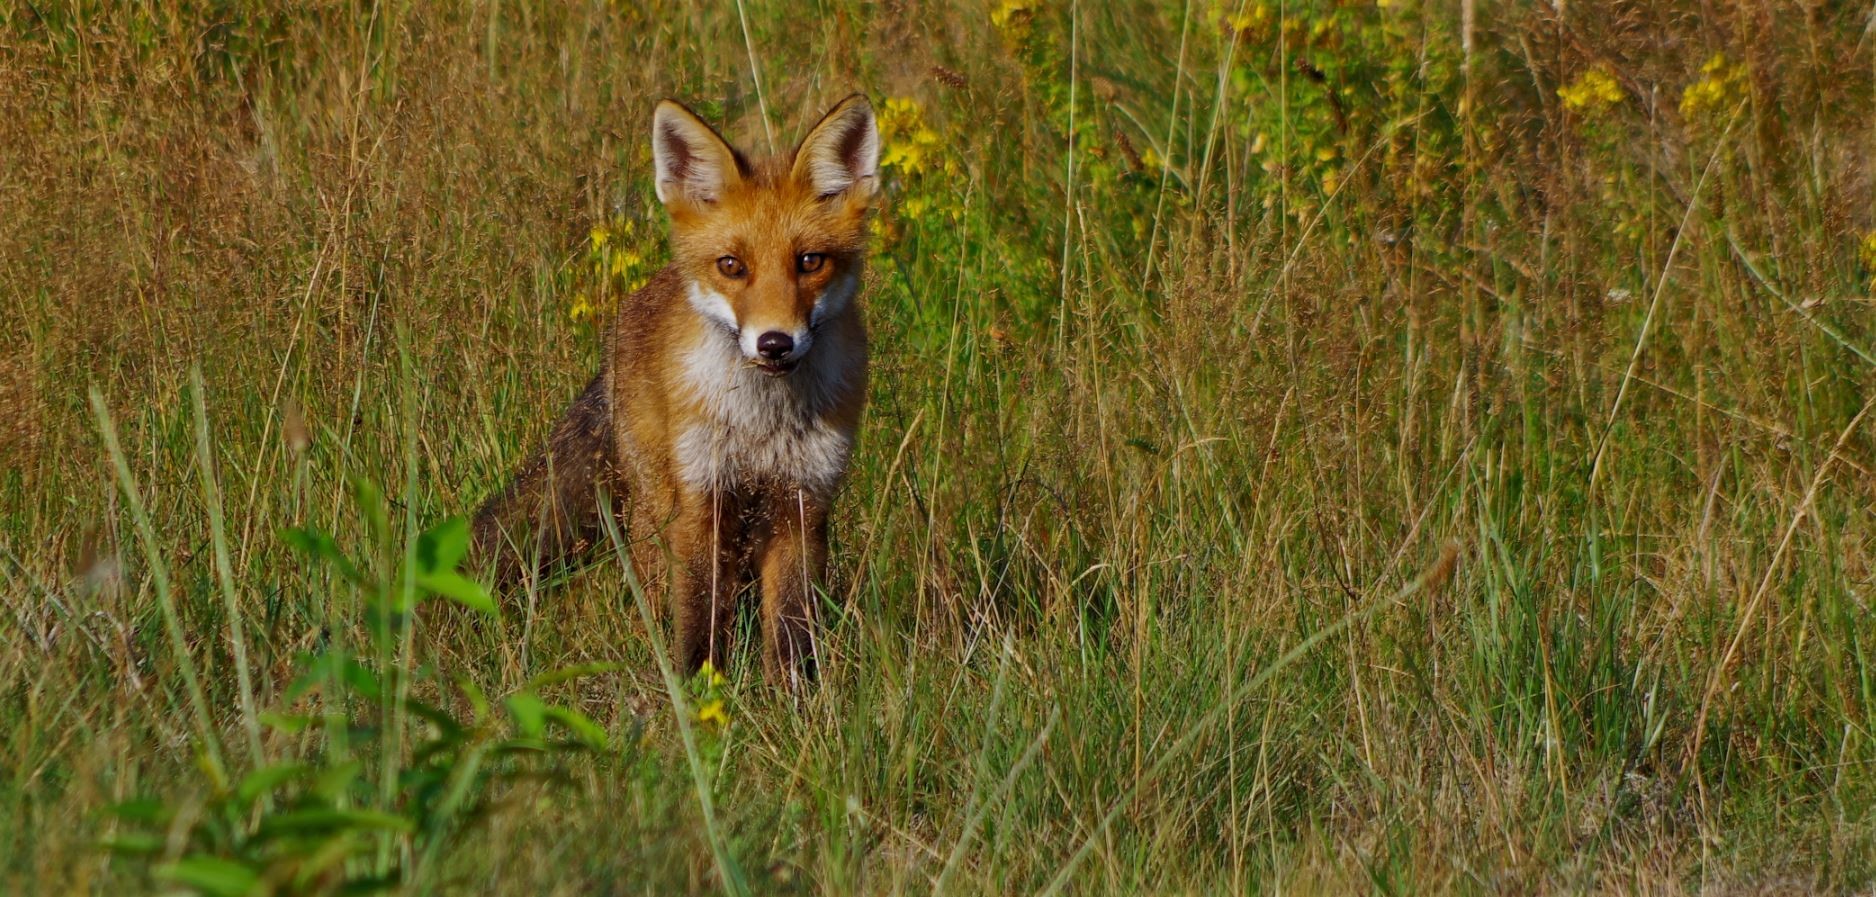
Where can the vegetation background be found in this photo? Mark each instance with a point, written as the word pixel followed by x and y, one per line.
pixel 1316 447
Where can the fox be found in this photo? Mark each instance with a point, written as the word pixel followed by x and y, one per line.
pixel 720 425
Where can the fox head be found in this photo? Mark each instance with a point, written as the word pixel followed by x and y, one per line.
pixel 771 248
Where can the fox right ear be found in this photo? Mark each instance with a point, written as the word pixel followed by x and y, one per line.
pixel 694 163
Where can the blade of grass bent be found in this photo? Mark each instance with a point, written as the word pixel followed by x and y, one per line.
pixel 159 577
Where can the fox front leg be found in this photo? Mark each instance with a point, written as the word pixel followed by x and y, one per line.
pixel 793 565
pixel 704 537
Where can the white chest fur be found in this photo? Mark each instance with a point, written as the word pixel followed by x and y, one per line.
pixel 756 427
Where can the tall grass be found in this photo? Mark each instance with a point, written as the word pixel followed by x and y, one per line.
pixel 1315 447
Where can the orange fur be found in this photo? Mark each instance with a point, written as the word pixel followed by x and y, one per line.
pixel 718 445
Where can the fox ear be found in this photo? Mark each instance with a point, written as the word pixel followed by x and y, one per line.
pixel 841 154
pixel 694 163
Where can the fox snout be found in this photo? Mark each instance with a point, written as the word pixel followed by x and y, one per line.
pixel 776 350
pixel 775 346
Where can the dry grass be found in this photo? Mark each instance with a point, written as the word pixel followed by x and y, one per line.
pixel 1191 367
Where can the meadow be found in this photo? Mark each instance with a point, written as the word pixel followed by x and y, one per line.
pixel 1316 447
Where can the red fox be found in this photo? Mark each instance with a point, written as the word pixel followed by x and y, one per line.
pixel 729 392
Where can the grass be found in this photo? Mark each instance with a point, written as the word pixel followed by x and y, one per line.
pixel 1315 447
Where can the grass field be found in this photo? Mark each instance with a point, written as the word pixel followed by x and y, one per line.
pixel 1319 447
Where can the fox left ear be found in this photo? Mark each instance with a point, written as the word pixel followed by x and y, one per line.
pixel 841 154
pixel 694 163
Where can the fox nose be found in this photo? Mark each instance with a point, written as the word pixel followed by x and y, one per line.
pixel 775 345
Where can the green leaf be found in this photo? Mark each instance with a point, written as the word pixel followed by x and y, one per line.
pixel 211 875
pixel 333 782
pixel 290 723
pixel 335 668
pixel 320 547
pixel 581 725
pixel 463 591
pixel 146 810
pixel 313 864
pixel 529 711
pixel 360 679
pixel 564 674
pixel 315 670
pixel 478 702
pixel 324 821
pixel 138 844
pixel 438 717
pixel 442 547
pixel 266 779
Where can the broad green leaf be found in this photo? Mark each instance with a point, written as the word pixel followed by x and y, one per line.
pixel 331 852
pixel 442 547
pixel 266 779
pixel 211 875
pixel 333 782
pixel 478 701
pixel 133 844
pixel 438 717
pixel 290 723
pixel 463 591
pixel 360 679
pixel 141 809
pixel 564 674
pixel 580 725
pixel 315 671
pixel 325 820
pixel 529 711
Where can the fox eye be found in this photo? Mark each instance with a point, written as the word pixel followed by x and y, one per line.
pixel 810 262
pixel 731 266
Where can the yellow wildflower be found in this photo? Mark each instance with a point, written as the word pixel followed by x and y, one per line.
pixel 908 139
pixel 1240 20
pixel 712 678
pixel 1591 92
pixel 1012 18
pixel 904 157
pixel 899 115
pixel 624 262
pixel 711 713
pixel 582 309
pixel 1719 87
pixel 598 235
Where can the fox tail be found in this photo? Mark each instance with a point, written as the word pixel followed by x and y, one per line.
pixel 549 513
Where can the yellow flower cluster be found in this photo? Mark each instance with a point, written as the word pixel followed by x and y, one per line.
pixel 1721 85
pixel 582 310
pixel 912 149
pixel 1012 18
pixel 613 264
pixel 909 141
pixel 1591 92
pixel 1243 21
pixel 712 711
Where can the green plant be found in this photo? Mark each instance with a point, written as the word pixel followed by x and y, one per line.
pixel 380 780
